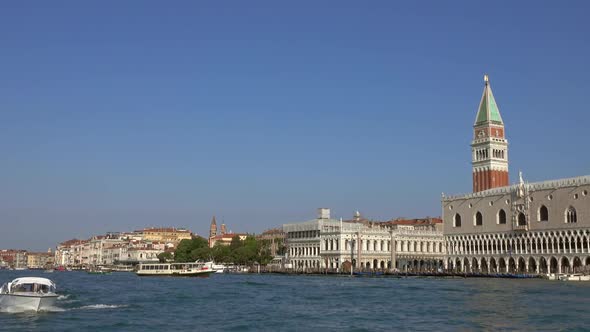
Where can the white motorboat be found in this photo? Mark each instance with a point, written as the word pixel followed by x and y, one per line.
pixel 568 277
pixel 218 268
pixel 196 269
pixel 29 293
pixel 574 277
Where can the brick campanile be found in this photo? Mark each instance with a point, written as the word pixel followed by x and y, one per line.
pixel 489 148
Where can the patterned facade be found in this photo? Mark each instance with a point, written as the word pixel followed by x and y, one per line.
pixel 336 244
pixel 541 227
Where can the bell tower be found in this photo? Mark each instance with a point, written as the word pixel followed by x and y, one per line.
pixel 489 148
pixel 213 228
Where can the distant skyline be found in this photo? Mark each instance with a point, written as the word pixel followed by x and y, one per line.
pixel 123 115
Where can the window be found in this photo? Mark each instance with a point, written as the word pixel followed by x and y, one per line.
pixel 501 217
pixel 584 192
pixel 543 214
pixel 478 219
pixel 521 219
pixel 570 215
pixel 457 220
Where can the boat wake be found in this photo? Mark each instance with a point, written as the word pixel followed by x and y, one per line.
pixel 101 306
pixel 16 310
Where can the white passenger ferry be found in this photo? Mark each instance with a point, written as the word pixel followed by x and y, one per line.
pixel 196 269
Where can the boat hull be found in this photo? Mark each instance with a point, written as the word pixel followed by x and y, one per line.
pixel 201 274
pixel 27 302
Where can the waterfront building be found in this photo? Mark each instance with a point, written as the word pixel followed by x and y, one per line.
pixel 223 237
pixel 111 249
pixel 541 227
pixel 14 258
pixel 39 260
pixel 275 238
pixel 403 245
pixel 64 253
pixel 169 235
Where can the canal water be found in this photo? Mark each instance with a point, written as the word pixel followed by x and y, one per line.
pixel 125 302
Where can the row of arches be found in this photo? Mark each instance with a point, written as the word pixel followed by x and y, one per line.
pixel 425 246
pixel 484 154
pixel 532 243
pixel 520 265
pixel 305 250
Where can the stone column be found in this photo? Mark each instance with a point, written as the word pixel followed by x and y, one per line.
pixel 392 247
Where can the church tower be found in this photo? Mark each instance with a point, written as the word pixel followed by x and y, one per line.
pixel 489 148
pixel 213 228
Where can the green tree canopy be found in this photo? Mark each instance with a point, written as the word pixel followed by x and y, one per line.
pixel 191 250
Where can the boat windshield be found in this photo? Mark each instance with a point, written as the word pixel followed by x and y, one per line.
pixel 32 288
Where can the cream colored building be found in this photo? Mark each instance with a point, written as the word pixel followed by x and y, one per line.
pixel 168 235
pixel 330 243
pixel 39 260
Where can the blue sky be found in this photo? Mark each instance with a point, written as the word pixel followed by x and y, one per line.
pixel 118 115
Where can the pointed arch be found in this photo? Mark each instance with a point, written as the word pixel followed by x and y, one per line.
pixel 457 220
pixel 521 219
pixel 570 215
pixel 501 217
pixel 478 219
pixel 543 213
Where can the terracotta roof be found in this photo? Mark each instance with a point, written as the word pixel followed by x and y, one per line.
pixel 70 242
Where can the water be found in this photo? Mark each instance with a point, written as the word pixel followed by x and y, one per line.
pixel 125 302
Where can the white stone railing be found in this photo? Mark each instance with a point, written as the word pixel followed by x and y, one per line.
pixel 551 184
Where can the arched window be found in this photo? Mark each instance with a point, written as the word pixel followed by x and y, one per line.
pixel 570 215
pixel 478 219
pixel 501 217
pixel 543 213
pixel 521 219
pixel 457 220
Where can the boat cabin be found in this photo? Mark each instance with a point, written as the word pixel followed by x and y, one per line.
pixel 28 285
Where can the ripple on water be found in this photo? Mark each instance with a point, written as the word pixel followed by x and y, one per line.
pixel 273 302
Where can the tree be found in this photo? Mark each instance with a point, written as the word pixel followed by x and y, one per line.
pixel 187 250
pixel 221 253
pixel 165 257
pixel 202 253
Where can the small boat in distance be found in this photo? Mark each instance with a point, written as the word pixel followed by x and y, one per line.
pixel 29 293
pixel 98 270
pixel 218 268
pixel 196 269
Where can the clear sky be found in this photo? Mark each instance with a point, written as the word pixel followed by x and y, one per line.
pixel 121 114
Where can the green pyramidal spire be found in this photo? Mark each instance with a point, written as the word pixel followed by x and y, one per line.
pixel 488 109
